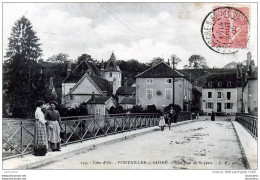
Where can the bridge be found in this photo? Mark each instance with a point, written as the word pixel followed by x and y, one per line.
pixel 135 142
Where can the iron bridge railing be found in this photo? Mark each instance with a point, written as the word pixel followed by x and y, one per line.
pixel 18 134
pixel 249 122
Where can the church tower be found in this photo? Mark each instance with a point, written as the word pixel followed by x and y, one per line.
pixel 112 73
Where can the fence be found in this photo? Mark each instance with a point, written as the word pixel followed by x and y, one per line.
pixel 18 134
pixel 249 122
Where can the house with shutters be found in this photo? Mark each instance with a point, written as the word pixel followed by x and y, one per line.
pixel 86 78
pixel 154 87
pixel 222 93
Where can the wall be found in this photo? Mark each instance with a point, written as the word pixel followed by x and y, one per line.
pixel 182 92
pixel 252 93
pixel 236 95
pixel 65 89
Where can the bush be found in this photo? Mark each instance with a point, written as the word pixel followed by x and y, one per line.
pixel 176 108
pixel 81 110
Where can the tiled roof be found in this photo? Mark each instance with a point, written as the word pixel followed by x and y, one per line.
pixel 103 84
pixel 98 100
pixel 80 70
pixel 125 90
pixel 127 101
pixel 215 79
pixel 161 70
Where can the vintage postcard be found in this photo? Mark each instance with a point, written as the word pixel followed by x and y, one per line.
pixel 129 86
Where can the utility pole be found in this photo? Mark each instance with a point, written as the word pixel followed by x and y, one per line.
pixel 173 91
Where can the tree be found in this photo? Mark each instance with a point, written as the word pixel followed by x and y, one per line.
pixel 22 75
pixel 175 59
pixel 155 61
pixel 60 58
pixel 197 62
pixel 84 57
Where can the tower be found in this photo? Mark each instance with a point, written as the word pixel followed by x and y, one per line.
pixel 113 73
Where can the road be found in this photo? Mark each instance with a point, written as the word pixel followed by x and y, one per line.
pixel 198 145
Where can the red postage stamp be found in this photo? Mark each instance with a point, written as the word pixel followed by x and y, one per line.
pixel 225 29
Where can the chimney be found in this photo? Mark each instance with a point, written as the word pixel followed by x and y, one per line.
pixel 69 69
pixel 248 61
pixel 252 66
pixel 93 97
pixel 125 81
pixel 239 71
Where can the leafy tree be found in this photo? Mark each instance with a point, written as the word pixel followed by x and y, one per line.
pixel 60 58
pixel 22 77
pixel 197 62
pixel 84 57
pixel 175 59
pixel 155 61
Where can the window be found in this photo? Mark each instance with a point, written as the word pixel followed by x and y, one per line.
pixel 149 93
pixel 219 94
pixel 228 105
pixel 220 84
pixel 168 81
pixel 110 74
pixel 168 93
pixel 119 75
pixel 71 97
pixel 210 83
pixel 229 84
pixel 97 111
pixel 209 105
pixel 149 81
pixel 228 95
pixel 209 94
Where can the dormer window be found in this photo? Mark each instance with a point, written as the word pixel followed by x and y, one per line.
pixel 229 84
pixel 220 84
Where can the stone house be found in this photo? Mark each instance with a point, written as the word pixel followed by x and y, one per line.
pixel 100 105
pixel 86 78
pixel 222 93
pixel 154 87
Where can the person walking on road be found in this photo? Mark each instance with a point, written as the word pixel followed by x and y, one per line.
pixel 212 116
pixel 40 132
pixel 171 114
pixel 54 127
pixel 162 123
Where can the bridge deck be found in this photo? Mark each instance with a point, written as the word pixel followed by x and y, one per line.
pixel 198 145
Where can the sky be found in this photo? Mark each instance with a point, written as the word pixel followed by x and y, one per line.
pixel 140 31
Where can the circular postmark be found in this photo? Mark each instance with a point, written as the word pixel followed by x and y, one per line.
pixel 225 30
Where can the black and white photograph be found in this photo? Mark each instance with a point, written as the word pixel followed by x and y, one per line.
pixel 130 86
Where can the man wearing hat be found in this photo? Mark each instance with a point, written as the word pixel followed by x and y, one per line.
pixel 54 127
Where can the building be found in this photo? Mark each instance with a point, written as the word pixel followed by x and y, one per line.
pixel 222 93
pixel 100 105
pixel 83 90
pixel 127 103
pixel 231 65
pixel 125 91
pixel 250 87
pixel 154 86
pixel 112 72
pixel 86 78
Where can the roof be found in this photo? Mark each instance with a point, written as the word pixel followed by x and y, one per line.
pixel 224 79
pixel 125 90
pixel 98 100
pixel 197 89
pixel 127 101
pixel 80 70
pixel 112 64
pixel 161 70
pixel 99 82
pixel 103 84
pixel 231 64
